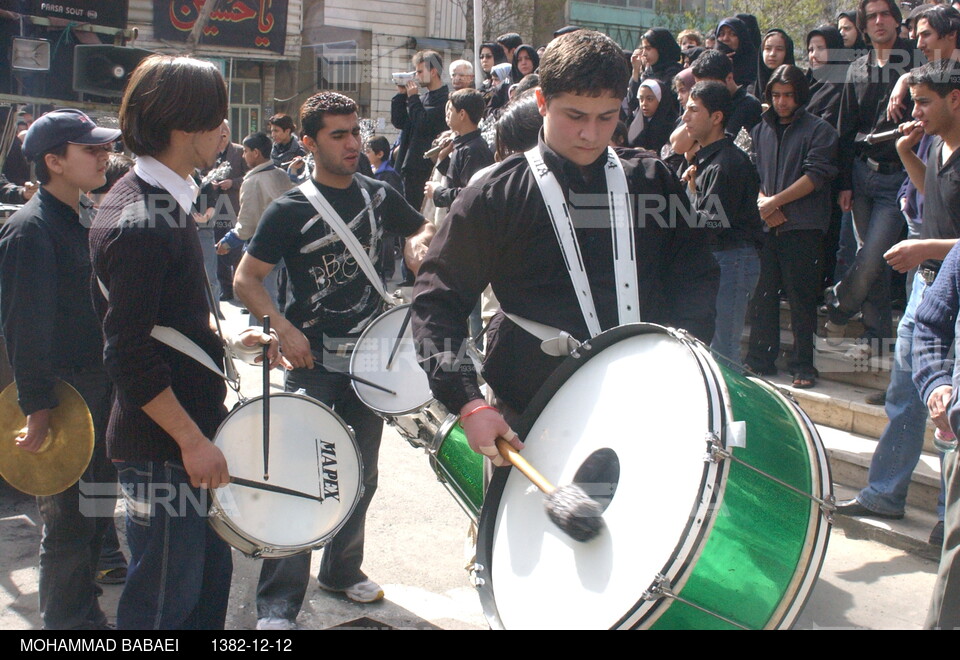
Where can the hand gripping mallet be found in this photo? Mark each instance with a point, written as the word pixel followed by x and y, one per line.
pixel 569 507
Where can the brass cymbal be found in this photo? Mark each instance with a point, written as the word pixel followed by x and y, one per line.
pixel 65 453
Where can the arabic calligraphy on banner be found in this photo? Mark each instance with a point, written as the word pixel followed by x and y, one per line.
pixel 258 24
pixel 108 13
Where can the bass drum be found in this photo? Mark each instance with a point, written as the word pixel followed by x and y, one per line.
pixel 312 452
pixel 712 483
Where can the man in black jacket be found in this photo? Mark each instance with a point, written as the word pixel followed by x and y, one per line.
pixel 870 175
pixel 796 159
pixel 724 184
pixel 421 118
pixel 467 153
pixel 499 232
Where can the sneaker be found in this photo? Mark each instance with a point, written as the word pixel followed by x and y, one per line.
pixel 366 591
pixel 936 536
pixel 111 576
pixel 275 623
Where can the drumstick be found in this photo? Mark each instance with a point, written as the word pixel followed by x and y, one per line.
pixel 356 378
pixel 569 507
pixel 396 344
pixel 240 481
pixel 266 401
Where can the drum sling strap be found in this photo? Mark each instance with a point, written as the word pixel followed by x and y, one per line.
pixel 326 212
pixel 180 342
pixel 621 232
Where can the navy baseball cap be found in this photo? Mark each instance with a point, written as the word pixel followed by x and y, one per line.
pixel 61 127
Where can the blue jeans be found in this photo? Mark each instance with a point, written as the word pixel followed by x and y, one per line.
pixel 898 450
pixel 283 582
pixel 75 520
pixel 847 247
pixel 878 223
pixel 179 573
pixel 739 272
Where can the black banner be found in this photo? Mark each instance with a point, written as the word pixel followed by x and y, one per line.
pixel 256 24
pixel 108 13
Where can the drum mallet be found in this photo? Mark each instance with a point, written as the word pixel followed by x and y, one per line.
pixel 266 401
pixel 569 507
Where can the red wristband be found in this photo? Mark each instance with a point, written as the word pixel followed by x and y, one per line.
pixel 477 409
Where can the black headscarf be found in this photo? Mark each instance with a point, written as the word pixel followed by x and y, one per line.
pixel 763 71
pixel 826 83
pixel 499 57
pixel 532 52
pixel 744 59
pixel 668 56
pixel 753 28
pixel 859 45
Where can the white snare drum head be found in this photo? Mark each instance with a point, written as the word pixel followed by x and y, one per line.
pixel 405 376
pixel 645 398
pixel 311 451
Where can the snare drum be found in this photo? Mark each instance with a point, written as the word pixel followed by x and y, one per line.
pixel 713 485
pixel 405 377
pixel 312 451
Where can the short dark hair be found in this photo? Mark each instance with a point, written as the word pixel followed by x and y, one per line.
pixel 788 74
pixel 282 121
pixel 431 58
pixel 470 100
pixel 43 173
pixel 317 106
pixel 519 126
pixel 529 81
pixel 510 40
pixel 155 99
pixel 862 13
pixel 259 142
pixel 117 166
pixel 714 96
pixel 942 76
pixel 584 62
pixel 712 65
pixel 379 145
pixel 943 19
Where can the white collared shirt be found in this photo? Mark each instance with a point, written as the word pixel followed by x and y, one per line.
pixel 184 190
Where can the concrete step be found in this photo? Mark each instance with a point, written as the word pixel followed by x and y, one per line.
pixel 850 456
pixel 833 363
pixel 843 406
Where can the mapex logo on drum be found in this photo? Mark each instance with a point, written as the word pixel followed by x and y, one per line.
pixel 328 464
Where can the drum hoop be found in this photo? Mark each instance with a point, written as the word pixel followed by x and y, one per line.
pixel 686 552
pixel 217 512
pixel 353 356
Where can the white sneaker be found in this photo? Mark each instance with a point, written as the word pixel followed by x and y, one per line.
pixel 834 332
pixel 275 623
pixel 366 591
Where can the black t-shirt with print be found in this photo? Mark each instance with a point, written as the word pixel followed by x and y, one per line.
pixel 331 295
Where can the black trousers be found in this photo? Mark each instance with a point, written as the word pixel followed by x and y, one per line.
pixel 790 264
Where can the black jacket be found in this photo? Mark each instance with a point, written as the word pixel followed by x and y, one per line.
pixel 863 108
pixel 421 118
pixel 726 197
pixel 498 231
pixel 470 154
pixel 808 146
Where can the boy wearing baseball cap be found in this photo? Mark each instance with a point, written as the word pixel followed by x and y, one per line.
pixel 52 332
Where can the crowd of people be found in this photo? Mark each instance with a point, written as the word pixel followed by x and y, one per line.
pixel 810 185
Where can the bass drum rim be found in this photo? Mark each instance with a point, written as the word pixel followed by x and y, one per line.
pixel 257 548
pixel 646 612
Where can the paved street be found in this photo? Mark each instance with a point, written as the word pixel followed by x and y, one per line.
pixel 416 549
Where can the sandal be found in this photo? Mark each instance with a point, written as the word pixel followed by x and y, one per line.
pixel 804 382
